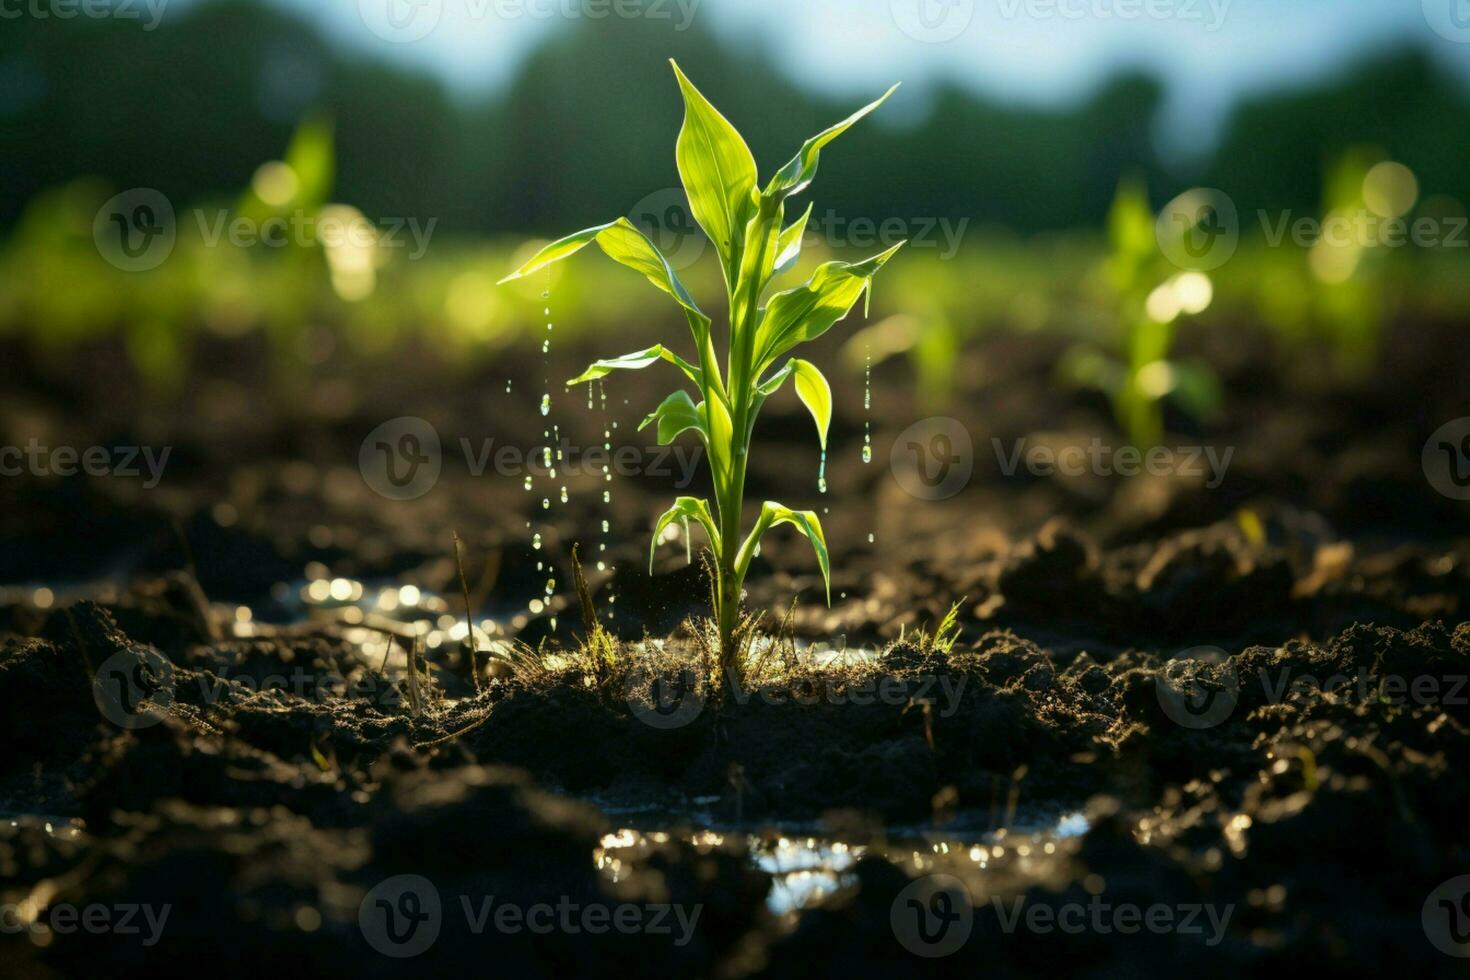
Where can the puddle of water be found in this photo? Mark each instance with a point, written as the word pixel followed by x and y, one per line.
pixel 807 866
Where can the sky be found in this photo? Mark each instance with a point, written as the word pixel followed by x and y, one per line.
pixel 1209 52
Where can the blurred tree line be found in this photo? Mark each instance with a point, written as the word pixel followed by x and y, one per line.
pixel 193 107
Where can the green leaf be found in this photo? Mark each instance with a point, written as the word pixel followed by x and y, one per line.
pixel 808 311
pixel 636 361
pixel 811 388
pixel 758 260
pixel 800 169
pixel 815 394
pixel 805 521
pixel 788 246
pixel 718 172
pixel 311 157
pixel 676 414
pixel 625 244
pixel 685 509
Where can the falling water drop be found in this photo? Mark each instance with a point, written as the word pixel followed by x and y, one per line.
pixel 563 494
pixel 536 540
pixel 545 503
pixel 607 496
pixel 867 408
pixel 507 386
pixel 604 527
pixel 528 482
pixel 870 537
pixel 546 404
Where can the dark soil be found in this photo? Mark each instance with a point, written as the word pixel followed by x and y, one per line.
pixel 1313 606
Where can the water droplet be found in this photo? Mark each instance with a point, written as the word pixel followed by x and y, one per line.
pixel 870 537
pixel 607 496
pixel 563 494
pixel 604 527
pixel 527 483
pixel 507 386
pixel 536 540
pixel 546 404
pixel 545 503
pixel 867 453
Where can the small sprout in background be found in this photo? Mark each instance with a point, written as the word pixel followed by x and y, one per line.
pixel 1149 296
pixel 754 243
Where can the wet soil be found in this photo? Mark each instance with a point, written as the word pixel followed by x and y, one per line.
pixel 1255 692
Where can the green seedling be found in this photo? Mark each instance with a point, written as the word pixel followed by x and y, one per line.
pixel 754 245
pixel 1149 296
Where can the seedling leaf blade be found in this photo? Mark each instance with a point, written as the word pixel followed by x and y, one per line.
pixel 788 245
pixel 805 521
pixel 684 510
pixel 798 172
pixel 718 172
pixel 815 393
pixel 637 361
pixel 809 310
pixel 676 414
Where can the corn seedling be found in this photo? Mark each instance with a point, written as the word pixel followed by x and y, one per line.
pixel 1139 374
pixel 746 225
